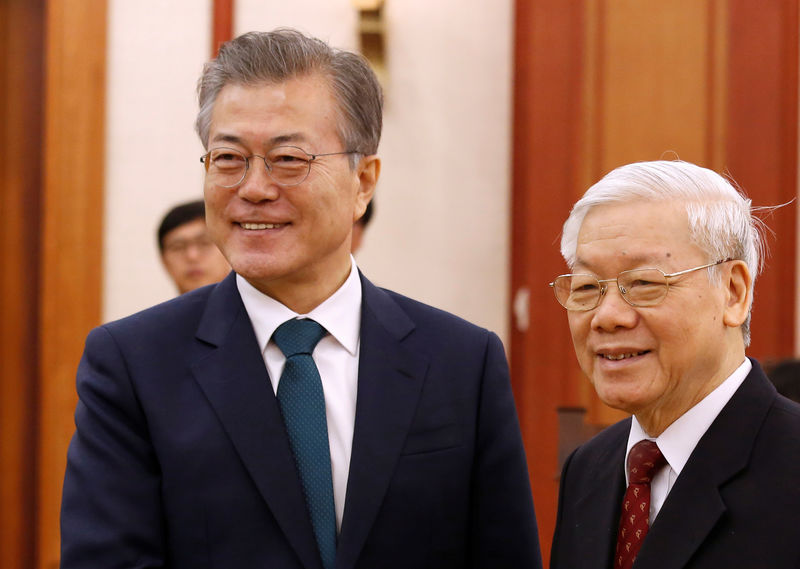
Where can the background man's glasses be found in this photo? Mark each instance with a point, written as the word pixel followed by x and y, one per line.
pixel 639 287
pixel 286 165
pixel 182 246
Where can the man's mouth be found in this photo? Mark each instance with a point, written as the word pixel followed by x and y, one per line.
pixel 616 357
pixel 256 226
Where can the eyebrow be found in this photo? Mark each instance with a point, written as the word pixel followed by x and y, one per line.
pixel 274 141
pixel 284 138
pixel 638 261
pixel 226 138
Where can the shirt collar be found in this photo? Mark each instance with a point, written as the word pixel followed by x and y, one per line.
pixel 678 441
pixel 339 314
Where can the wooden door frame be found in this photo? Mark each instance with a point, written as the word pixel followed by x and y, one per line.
pixel 21 100
pixel 71 255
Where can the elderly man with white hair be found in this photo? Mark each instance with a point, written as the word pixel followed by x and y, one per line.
pixel 663 257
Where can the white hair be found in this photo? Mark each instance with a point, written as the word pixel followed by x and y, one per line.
pixel 721 220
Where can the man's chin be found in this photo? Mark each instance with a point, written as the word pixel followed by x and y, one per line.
pixel 259 267
pixel 622 396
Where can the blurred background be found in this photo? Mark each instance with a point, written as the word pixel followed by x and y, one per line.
pixel 499 114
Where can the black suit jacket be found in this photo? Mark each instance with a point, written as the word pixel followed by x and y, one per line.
pixel 736 503
pixel 180 458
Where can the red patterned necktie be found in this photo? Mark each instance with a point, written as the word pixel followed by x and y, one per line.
pixel 644 460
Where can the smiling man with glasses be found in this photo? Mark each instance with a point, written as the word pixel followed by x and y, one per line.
pixel 294 415
pixel 662 258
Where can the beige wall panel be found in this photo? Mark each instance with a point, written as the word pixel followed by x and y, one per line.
pixel 153 66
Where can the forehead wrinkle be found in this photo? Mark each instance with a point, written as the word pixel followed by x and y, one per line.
pixel 278 140
pixel 222 137
pixel 287 138
pixel 638 261
pixel 615 238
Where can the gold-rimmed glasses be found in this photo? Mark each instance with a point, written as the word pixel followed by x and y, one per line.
pixel 639 287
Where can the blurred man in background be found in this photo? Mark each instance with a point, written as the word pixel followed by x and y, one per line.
pixel 785 375
pixel 187 252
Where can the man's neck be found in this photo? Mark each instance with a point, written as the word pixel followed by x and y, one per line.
pixel 656 420
pixel 304 293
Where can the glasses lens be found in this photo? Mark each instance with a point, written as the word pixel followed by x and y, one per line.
pixel 643 287
pixel 288 165
pixel 202 244
pixel 577 292
pixel 226 167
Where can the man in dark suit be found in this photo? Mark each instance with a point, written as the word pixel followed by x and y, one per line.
pixel 663 256
pixel 294 415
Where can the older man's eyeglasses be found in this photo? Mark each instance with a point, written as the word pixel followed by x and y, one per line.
pixel 286 165
pixel 639 287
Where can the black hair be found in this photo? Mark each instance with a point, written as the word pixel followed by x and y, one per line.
pixel 179 215
pixel 364 219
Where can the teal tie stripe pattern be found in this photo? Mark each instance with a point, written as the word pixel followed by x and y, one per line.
pixel 302 404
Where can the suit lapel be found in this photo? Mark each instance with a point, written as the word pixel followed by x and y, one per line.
pixel 390 379
pixel 233 377
pixel 600 505
pixel 694 505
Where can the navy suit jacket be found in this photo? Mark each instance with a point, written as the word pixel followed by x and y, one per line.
pixel 180 458
pixel 736 502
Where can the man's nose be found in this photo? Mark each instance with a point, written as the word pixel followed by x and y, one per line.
pixel 257 185
pixel 613 311
pixel 194 250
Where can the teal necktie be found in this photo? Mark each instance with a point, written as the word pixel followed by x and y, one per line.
pixel 302 404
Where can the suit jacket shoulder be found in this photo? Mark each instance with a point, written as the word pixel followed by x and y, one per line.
pixel 436 441
pixel 415 314
pixel 737 500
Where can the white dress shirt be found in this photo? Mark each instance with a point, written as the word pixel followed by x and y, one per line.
pixel 678 441
pixel 336 356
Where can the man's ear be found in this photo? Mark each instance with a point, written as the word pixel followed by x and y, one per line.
pixel 738 289
pixel 368 172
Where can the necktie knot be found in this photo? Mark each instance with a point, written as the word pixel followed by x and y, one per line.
pixel 298 336
pixel 644 460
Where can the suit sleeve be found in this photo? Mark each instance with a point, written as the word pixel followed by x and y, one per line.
pixel 504 533
pixel 111 512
